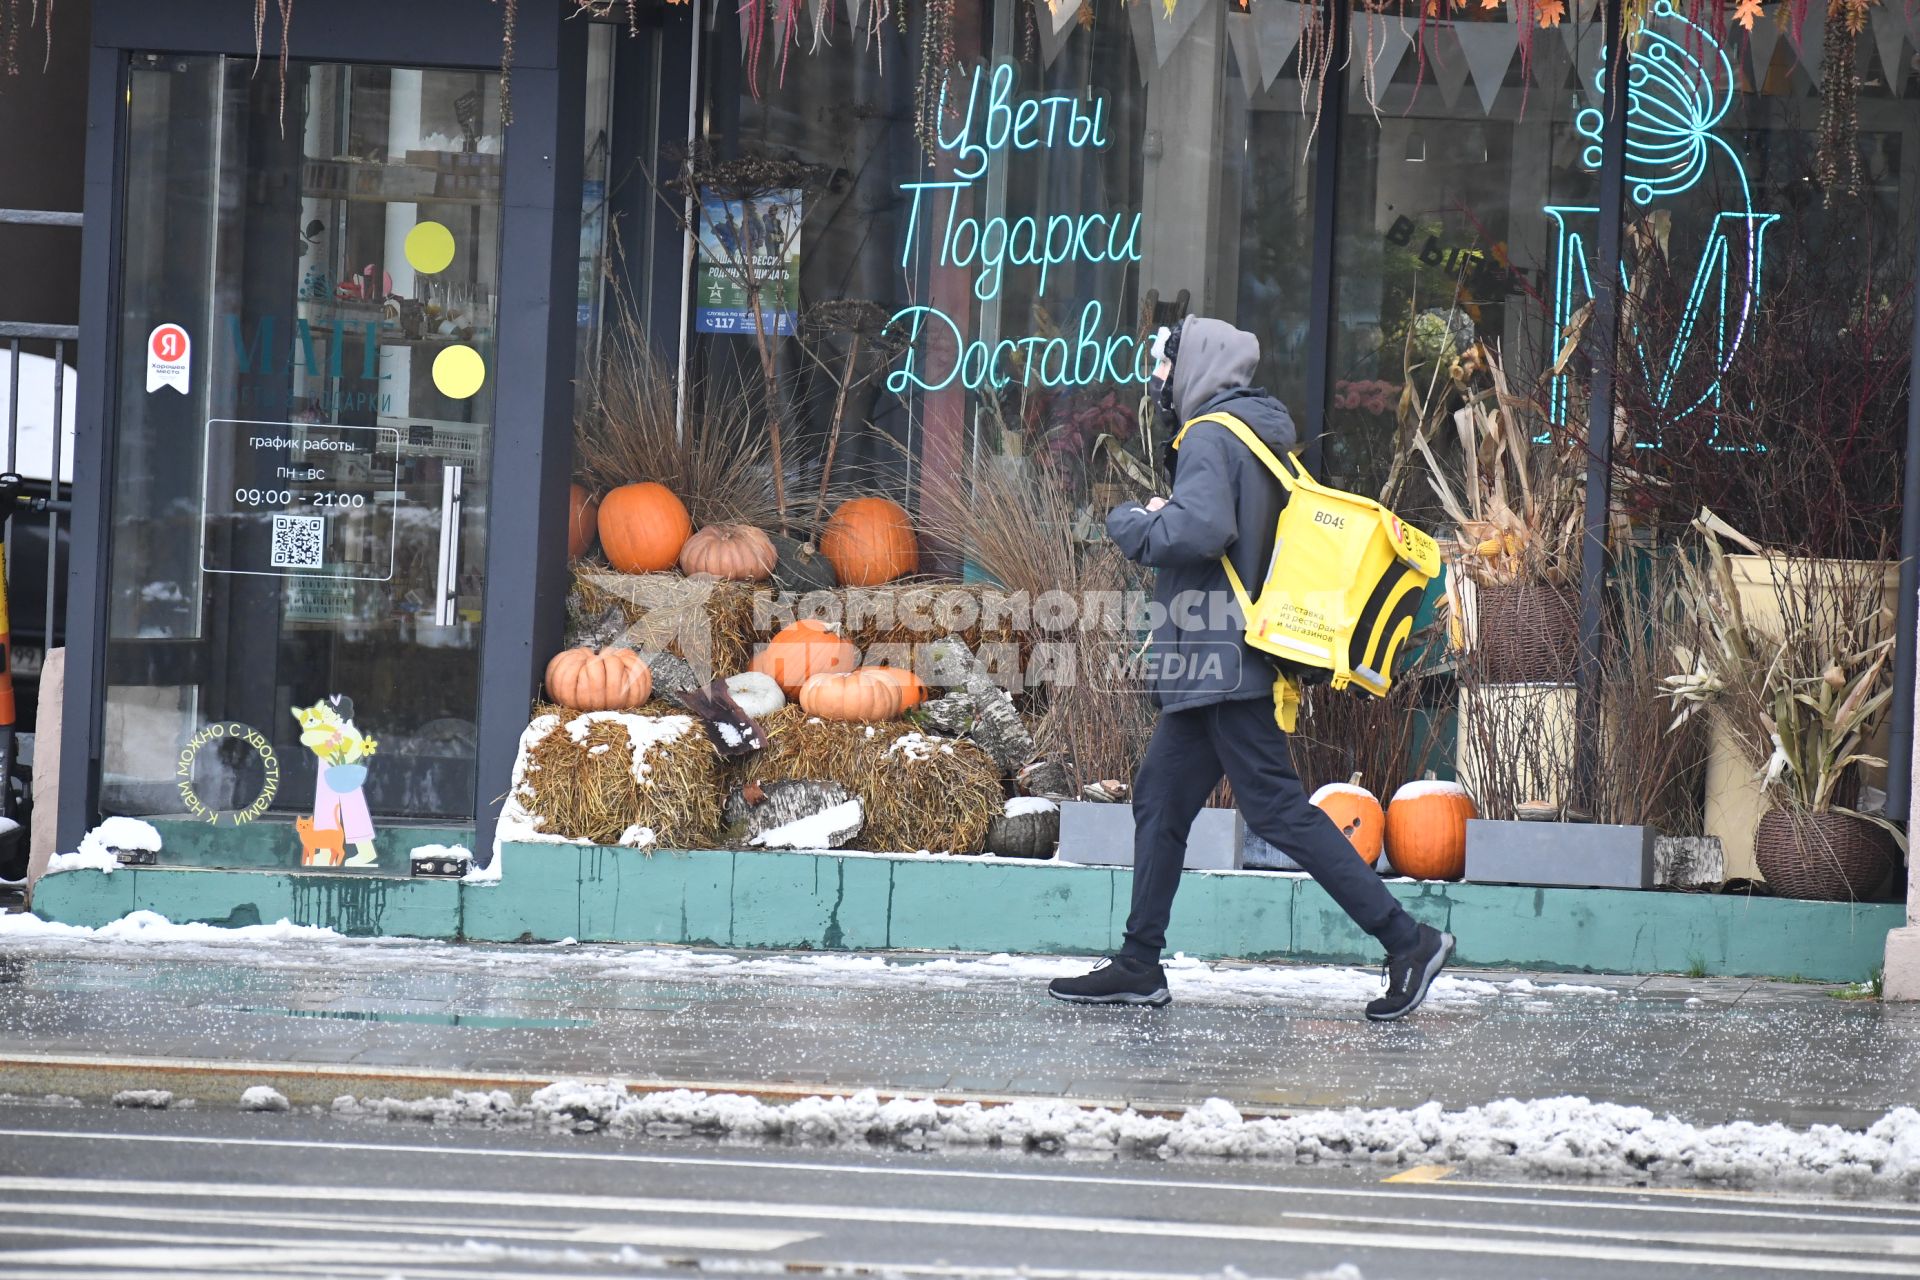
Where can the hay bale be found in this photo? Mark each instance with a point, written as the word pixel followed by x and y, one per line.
pixel 707 621
pixel 920 791
pixel 606 777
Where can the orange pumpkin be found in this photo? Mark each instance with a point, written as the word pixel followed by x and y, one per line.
pixel 1427 830
pixel 807 648
pixel 738 552
pixel 1357 813
pixel 855 695
pixel 583 516
pixel 913 690
pixel 870 541
pixel 642 527
pixel 610 680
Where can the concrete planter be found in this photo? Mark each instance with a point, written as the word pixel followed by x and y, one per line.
pixel 1569 854
pixel 1102 835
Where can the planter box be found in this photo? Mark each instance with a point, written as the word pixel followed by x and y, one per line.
pixel 1571 854
pixel 1102 835
pixel 1258 854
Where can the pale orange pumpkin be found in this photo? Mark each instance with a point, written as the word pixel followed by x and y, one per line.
pixel 642 527
pixel 1356 811
pixel 807 648
pixel 870 541
pixel 913 690
pixel 610 680
pixel 583 518
pixel 1427 830
pixel 855 695
pixel 738 552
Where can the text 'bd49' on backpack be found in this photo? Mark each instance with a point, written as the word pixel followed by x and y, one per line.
pixel 1342 587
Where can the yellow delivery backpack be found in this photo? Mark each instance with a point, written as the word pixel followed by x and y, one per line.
pixel 1342 587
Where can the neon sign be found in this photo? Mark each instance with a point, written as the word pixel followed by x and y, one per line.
pixel 1679 89
pixel 996 126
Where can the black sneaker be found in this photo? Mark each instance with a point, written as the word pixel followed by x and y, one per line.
pixel 1115 980
pixel 1410 973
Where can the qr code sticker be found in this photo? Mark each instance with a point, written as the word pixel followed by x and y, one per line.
pixel 298 542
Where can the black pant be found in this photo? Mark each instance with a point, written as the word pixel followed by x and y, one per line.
pixel 1189 752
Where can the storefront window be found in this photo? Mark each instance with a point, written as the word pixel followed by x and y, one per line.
pixel 1773 199
pixel 1081 183
pixel 301 457
pixel 1466 205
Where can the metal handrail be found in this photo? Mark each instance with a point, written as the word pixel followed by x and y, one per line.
pixel 40 218
pixel 43 332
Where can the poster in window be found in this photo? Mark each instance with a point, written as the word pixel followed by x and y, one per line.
pixel 748 247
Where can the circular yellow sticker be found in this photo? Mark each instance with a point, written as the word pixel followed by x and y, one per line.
pixel 459 372
pixel 430 248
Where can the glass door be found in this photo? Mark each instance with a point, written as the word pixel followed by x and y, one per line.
pixel 301 456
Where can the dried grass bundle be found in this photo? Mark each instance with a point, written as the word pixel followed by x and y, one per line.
pixel 708 622
pixel 1515 489
pixel 1520 743
pixel 1023 531
pixel 920 791
pixel 1344 732
pixel 627 431
pixel 1802 697
pixel 582 780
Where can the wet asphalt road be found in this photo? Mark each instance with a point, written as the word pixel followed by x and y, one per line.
pixel 93 1192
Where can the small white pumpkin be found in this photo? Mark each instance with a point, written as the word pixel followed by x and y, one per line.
pixel 759 695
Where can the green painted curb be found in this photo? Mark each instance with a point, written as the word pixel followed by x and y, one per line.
pixel 272 844
pixel 867 902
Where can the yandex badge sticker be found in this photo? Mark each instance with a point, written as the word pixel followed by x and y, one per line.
pixel 169 358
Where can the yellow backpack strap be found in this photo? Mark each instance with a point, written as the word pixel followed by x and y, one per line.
pixel 1268 458
pixel 1260 449
pixel 1286 702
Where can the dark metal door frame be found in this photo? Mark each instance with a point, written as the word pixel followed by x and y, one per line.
pixel 526 577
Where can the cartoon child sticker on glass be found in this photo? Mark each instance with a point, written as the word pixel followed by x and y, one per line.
pixel 340 816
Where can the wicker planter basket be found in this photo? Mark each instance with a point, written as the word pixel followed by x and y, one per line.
pixel 1829 857
pixel 1527 633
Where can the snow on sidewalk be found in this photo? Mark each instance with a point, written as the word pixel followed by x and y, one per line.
pixel 1553 1137
pixel 1193 981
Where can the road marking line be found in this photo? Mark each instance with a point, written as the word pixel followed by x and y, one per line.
pixel 749 1239
pixel 1859 1212
pixel 870 1214
pixel 1423 1173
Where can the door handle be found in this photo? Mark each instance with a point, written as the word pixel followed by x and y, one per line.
pixel 446 600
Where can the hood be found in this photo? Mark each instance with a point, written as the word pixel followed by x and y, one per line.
pixel 1213 357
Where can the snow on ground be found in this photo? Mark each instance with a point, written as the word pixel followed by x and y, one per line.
pixel 149 927
pixel 96 852
pixel 1191 980
pixel 446 852
pixel 264 1098
pixel 1553 1137
pixel 144 1099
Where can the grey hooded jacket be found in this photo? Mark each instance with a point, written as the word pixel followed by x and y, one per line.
pixel 1224 501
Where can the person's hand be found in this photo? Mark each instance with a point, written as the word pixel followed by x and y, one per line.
pixel 1154 504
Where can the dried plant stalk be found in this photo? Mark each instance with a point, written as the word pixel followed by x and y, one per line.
pixel 626 431
pixel 1519 743
pixel 1802 696
pixel 1021 529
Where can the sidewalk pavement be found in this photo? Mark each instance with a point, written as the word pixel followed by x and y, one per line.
pixel 90 1013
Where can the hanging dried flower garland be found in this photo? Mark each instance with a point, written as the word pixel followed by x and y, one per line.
pixel 1316 59
pixel 17 17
